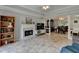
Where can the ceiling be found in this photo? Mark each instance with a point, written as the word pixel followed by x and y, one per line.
pixel 35 10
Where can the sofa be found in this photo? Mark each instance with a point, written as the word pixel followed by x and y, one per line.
pixel 74 48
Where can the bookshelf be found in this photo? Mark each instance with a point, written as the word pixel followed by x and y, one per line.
pixel 7 25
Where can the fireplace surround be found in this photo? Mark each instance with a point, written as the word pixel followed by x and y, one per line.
pixel 27 31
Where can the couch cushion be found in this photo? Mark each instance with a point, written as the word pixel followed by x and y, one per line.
pixel 65 50
pixel 75 45
pixel 69 49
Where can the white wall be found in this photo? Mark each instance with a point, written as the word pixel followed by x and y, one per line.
pixel 74 26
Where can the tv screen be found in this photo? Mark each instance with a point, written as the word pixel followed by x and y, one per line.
pixel 40 26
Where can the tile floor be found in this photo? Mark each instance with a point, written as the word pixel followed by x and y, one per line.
pixel 40 44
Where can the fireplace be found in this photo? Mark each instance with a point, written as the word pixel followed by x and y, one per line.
pixel 28 32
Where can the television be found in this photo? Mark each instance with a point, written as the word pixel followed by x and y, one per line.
pixel 40 26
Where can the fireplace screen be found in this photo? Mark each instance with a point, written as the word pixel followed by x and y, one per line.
pixel 28 32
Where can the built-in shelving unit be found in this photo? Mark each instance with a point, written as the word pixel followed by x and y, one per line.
pixel 7 25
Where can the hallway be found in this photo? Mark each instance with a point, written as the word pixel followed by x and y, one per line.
pixel 40 44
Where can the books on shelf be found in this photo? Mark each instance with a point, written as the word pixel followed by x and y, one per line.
pixel 7 28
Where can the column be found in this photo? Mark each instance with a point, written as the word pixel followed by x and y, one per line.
pixel 49 27
pixel 69 28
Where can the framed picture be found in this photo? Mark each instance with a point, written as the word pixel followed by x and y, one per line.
pixel 28 20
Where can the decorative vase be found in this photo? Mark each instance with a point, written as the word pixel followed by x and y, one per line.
pixel 10 25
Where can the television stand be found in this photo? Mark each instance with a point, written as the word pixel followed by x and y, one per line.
pixel 40 32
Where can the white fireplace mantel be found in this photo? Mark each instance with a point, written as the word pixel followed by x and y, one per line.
pixel 25 27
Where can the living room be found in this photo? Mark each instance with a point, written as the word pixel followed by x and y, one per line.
pixel 39 29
